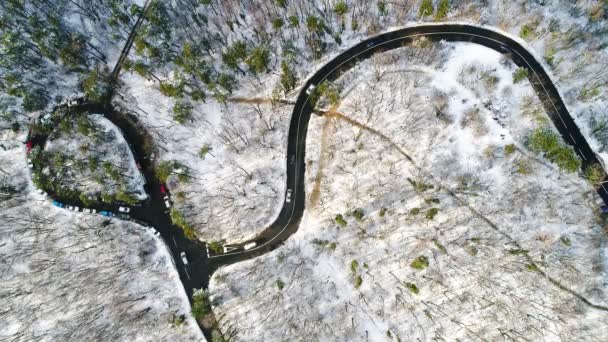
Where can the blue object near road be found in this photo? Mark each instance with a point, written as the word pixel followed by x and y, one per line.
pixel 106 213
pixel 58 204
pixel 604 209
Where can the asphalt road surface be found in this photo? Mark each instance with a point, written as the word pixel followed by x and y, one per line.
pixel 196 274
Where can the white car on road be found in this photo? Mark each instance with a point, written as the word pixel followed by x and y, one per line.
pixel 167 202
pixel 288 196
pixel 124 209
pixel 184 259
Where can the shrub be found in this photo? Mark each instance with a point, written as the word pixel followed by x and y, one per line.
pixel 420 263
pixel 258 60
pixel 431 213
pixel 532 268
pixel 518 251
pixel 520 74
pixel 216 247
pixel 354 265
pixel 414 211
pixel 202 153
pixel 565 240
pixel 426 8
pixel 440 247
pixel 201 305
pixel 182 111
pixel 412 287
pixel 178 219
pixel 509 149
pixel 382 212
pixel 340 8
pixel 547 142
pixel 527 30
pixel 358 281
pixel 358 214
pixel 280 284
pixel 594 174
pixel 442 9
pixel 340 220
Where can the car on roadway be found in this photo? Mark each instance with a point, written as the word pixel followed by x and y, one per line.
pixel 163 190
pixel 57 204
pixel 106 213
pixel 372 43
pixel 28 146
pixel 89 211
pixel 604 209
pixel 124 209
pixel 310 89
pixel 288 196
pixel 250 245
pixel 184 258
pixel 167 201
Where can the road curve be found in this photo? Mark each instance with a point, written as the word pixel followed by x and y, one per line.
pixel 289 218
pixel 201 266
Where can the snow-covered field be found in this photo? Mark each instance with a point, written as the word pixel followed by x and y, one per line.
pixel 474 238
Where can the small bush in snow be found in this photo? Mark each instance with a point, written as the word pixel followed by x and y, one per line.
pixel 547 142
pixel 358 214
pixel 201 305
pixel 358 281
pixel 280 284
pixel 426 8
pixel 420 263
pixel 431 213
pixel 442 9
pixel 340 220
pixel 412 287
pixel 520 74
pixel 509 149
pixel 354 265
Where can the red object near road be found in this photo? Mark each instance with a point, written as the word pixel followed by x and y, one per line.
pixel 28 146
pixel 162 189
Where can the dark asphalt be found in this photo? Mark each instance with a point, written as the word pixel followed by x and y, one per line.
pixel 196 275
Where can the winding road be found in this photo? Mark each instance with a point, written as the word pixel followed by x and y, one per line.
pixel 197 273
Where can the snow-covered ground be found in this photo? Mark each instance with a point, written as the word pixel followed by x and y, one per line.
pixel 72 276
pixel 91 156
pixel 474 238
pixel 235 189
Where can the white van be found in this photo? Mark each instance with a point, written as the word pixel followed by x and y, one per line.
pixel 250 245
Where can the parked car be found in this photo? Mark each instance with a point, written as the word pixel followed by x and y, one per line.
pixel 124 209
pixel 183 256
pixel 29 163
pixel 138 165
pixel 106 213
pixel 45 118
pixel 74 102
pixel 167 201
pixel 28 146
pixel 58 204
pixel 89 211
pixel 163 190
pixel 604 209
pixel 288 196
pixel 250 245
pixel 73 208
